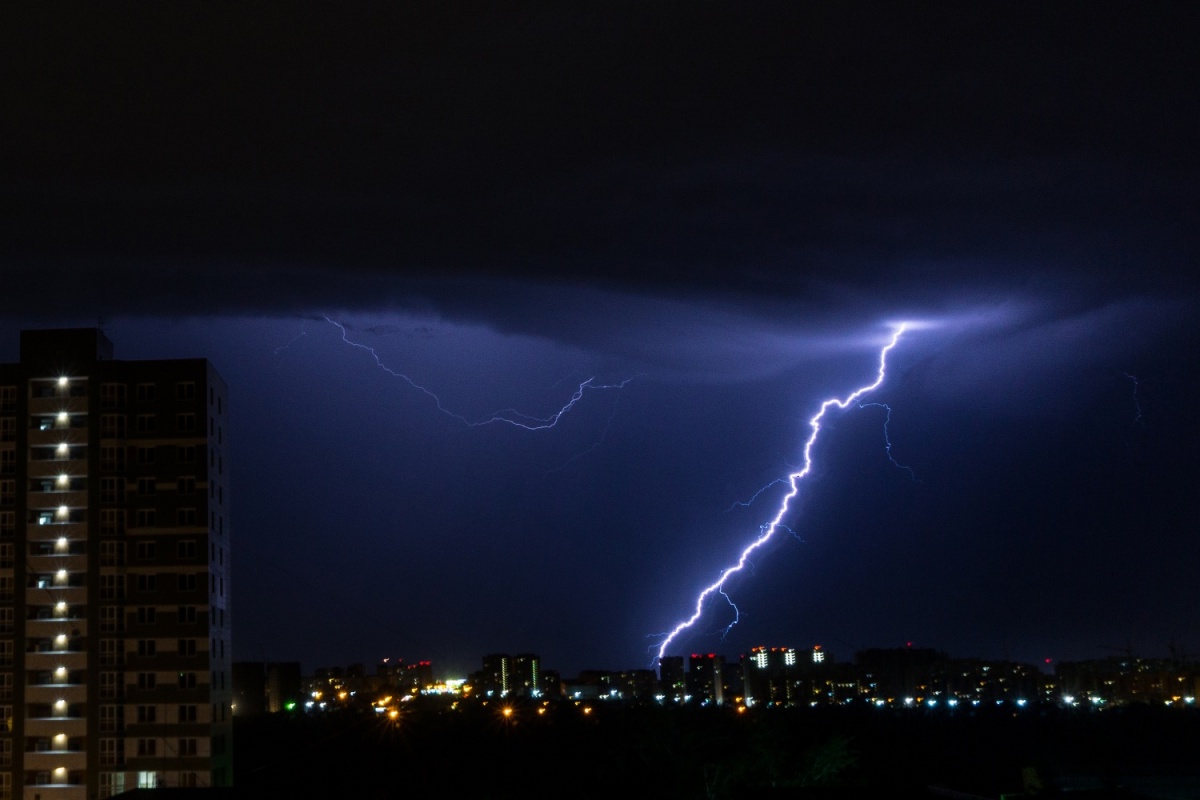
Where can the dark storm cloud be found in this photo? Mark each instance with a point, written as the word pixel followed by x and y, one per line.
pixel 201 159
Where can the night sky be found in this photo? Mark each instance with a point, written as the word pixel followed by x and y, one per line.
pixel 713 212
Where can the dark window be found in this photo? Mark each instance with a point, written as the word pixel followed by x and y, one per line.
pixel 112 490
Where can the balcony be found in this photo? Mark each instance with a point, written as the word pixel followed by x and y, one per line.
pixel 60 678
pixel 49 628
pixel 50 661
pixel 57 403
pixel 51 564
pixel 52 531
pixel 49 727
pixel 53 467
pixel 58 708
pixel 56 436
pixel 54 500
pixel 59 791
pixel 56 544
pixel 74 695
pixel 71 595
pixel 49 760
pixel 67 615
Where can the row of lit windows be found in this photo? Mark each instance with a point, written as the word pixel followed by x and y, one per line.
pixel 115 783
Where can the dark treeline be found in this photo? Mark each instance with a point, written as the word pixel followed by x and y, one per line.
pixel 658 752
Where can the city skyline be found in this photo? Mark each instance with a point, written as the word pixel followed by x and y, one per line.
pixel 671 235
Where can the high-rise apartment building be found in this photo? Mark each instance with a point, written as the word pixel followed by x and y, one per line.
pixel 114 572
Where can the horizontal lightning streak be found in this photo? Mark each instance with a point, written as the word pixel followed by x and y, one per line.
pixel 768 530
pixel 507 416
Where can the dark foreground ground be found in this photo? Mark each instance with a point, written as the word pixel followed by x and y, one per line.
pixel 663 753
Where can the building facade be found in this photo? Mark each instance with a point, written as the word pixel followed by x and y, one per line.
pixel 114 572
pixel 706 680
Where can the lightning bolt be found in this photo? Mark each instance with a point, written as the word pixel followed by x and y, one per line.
pixel 750 502
pixel 603 434
pixel 887 438
pixel 507 416
pixel 295 339
pixel 768 530
pixel 1137 404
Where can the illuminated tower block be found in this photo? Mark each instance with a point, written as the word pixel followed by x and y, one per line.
pixel 114 572
pixel 770 675
pixel 705 679
pixel 525 675
pixel 672 679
